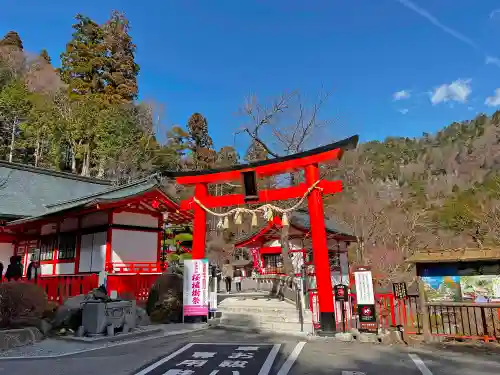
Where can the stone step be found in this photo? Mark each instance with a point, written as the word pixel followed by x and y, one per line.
pixel 265 312
pixel 257 310
pixel 278 327
pixel 266 317
pixel 305 334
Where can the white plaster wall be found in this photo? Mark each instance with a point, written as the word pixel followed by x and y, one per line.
pixel 48 229
pixel 65 268
pixel 69 224
pixel 46 269
pixel 293 244
pixel 94 219
pixel 132 218
pixel 93 252
pixel 6 251
pixel 134 246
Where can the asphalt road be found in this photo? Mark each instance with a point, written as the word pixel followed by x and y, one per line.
pixel 218 352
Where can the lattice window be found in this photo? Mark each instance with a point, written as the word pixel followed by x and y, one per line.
pixel 47 246
pixel 271 262
pixel 67 246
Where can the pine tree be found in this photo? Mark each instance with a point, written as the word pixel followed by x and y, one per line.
pixel 83 61
pixel 201 142
pixel 44 55
pixel 121 71
pixel 12 39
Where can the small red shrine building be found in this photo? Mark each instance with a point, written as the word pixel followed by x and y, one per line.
pixel 265 245
pixel 83 225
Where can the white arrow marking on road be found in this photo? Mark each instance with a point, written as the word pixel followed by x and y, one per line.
pixel 215 372
pixel 420 364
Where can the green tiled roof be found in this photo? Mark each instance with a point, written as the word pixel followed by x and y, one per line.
pixel 112 194
pixel 27 191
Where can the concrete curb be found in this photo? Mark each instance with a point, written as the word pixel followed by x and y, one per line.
pixel 14 338
pixel 111 345
pixel 119 337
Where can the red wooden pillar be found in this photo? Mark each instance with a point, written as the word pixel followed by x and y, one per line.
pixel 320 252
pixel 109 238
pixel 200 222
pixel 78 248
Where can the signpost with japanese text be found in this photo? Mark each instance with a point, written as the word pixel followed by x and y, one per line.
pixel 195 289
pixel 365 299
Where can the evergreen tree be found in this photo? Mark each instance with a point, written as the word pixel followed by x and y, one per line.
pixel 12 39
pixel 121 71
pixel 83 62
pixel 44 55
pixel 203 155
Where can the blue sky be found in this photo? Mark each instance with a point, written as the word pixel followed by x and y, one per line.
pixel 207 56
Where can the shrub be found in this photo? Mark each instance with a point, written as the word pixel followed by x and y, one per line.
pixel 21 301
pixel 165 299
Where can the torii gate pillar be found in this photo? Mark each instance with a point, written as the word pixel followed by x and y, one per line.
pixel 306 161
pixel 320 251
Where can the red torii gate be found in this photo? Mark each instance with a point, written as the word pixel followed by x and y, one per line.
pixel 248 174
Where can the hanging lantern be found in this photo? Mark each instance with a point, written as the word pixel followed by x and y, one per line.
pixel 226 222
pixel 284 220
pixel 254 220
pixel 155 204
pixel 237 218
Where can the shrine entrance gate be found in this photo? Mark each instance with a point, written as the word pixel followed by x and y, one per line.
pixel 313 188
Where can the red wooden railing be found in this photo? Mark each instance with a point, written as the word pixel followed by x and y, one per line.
pixel 59 288
pixel 135 267
pixel 390 312
pixel 128 286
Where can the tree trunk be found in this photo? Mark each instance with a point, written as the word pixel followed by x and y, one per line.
pixel 73 159
pixel 37 151
pixel 86 162
pixel 12 141
pixel 285 247
pixel 101 170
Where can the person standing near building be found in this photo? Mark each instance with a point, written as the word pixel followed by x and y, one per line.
pixel 238 276
pixel 227 274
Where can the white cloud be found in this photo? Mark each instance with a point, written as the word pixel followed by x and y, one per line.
pixel 494 13
pixel 457 91
pixel 400 95
pixel 403 111
pixel 493 101
pixel 493 60
pixel 470 108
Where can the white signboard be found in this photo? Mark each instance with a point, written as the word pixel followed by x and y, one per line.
pixel 364 288
pixel 195 287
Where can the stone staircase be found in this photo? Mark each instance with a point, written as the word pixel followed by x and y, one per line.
pixel 263 314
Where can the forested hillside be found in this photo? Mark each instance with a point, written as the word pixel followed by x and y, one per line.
pixel 400 195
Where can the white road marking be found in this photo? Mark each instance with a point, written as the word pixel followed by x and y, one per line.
pixel 353 373
pixel 285 368
pixel 268 364
pixel 164 360
pixel 420 364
